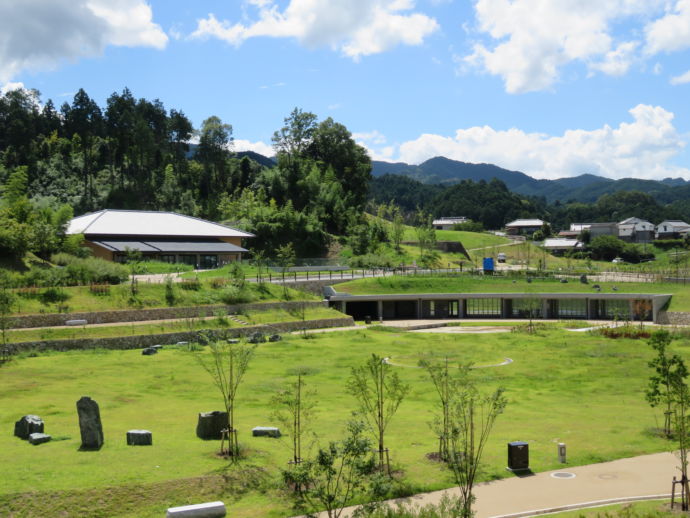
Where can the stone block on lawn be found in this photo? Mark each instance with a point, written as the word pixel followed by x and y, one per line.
pixel 156 347
pixel 90 425
pixel 149 351
pixel 27 425
pixel 275 338
pixel 139 438
pixel 233 341
pixel 265 431
pixel 206 510
pixel 39 438
pixel 210 424
pixel 257 337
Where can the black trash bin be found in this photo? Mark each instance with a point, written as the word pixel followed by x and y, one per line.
pixel 518 456
pixel 367 319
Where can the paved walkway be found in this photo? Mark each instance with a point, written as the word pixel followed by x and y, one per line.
pixel 636 478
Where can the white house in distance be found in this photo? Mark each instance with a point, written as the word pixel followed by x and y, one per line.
pixel 636 230
pixel 523 226
pixel 447 223
pixel 672 229
pixel 559 246
pixel 163 236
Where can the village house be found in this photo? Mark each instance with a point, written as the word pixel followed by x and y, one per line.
pixel 672 229
pixel 447 223
pixel 521 227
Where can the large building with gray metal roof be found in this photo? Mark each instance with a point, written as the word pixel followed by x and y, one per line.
pixel 163 236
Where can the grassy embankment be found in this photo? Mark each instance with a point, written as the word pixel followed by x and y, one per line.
pixel 552 374
pixel 487 284
pixel 153 295
pixel 187 324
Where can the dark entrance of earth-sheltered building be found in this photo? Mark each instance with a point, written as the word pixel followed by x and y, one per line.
pixel 362 309
pixel 399 309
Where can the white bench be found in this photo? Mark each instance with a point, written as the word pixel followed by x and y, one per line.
pixel 206 510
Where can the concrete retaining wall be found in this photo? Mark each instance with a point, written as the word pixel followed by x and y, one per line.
pixel 139 315
pixel 673 318
pixel 141 341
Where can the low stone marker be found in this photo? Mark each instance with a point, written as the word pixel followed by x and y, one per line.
pixel 78 322
pixel 27 425
pixel 149 351
pixel 90 425
pixel 210 424
pixel 265 431
pixel 139 438
pixel 275 338
pixel 182 343
pixel 207 510
pixel 39 438
pixel 233 341
pixel 257 337
pixel 156 347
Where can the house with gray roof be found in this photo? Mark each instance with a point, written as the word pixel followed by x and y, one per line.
pixel 163 236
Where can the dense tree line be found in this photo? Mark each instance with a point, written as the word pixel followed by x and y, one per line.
pixel 135 154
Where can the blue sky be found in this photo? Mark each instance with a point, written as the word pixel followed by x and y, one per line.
pixel 553 88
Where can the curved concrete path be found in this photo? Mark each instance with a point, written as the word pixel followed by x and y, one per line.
pixel 636 478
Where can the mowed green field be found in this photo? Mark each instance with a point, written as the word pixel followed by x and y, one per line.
pixel 577 388
pixel 487 284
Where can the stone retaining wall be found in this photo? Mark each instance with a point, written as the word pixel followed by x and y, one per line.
pixel 141 341
pixel 677 318
pixel 138 315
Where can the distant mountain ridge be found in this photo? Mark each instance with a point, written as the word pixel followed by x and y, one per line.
pixel 585 188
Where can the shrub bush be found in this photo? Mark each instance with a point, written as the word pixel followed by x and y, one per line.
pixel 233 295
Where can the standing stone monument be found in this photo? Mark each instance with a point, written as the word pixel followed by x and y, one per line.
pixel 90 424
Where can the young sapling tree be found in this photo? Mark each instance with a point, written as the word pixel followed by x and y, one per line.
pixel 227 364
pixel 379 392
pixel 666 368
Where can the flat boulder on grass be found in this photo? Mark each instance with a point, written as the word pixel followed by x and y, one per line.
pixel 257 337
pixel 266 431
pixel 275 338
pixel 27 425
pixel 139 438
pixel 211 424
pixel 149 351
pixel 39 438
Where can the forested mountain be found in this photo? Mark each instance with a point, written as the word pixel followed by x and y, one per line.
pixel 493 204
pixel 584 188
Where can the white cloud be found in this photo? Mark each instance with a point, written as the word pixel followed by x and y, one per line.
pixel 671 32
pixel 8 87
pixel 371 137
pixel 681 79
pixel 258 147
pixel 642 148
pixel 531 40
pixel 355 27
pixel 40 34
pixel 617 62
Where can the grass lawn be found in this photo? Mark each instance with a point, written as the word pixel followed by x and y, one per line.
pixel 646 509
pixel 152 295
pixel 487 284
pixel 581 389
pixel 189 324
